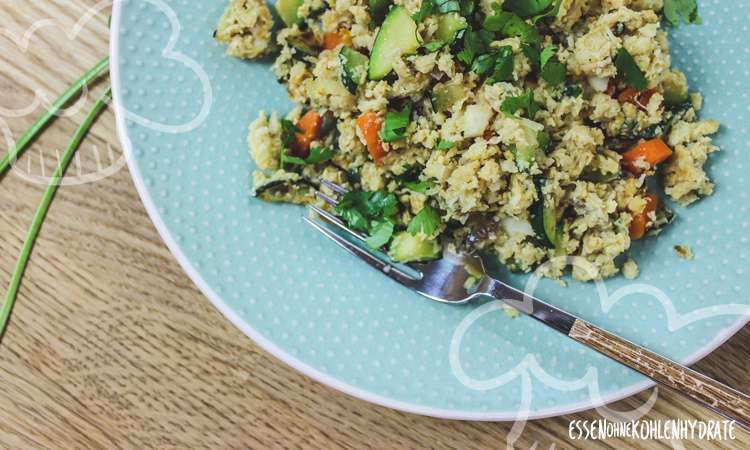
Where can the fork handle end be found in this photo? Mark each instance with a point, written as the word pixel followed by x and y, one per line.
pixel 721 398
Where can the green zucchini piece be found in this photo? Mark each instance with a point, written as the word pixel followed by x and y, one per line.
pixel 408 248
pixel 397 37
pixel 287 10
pixel 445 96
pixel 353 68
pixel 550 222
pixel 448 27
pixel 544 219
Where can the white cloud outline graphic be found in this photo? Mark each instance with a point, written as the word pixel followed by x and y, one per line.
pixel 24 41
pixel 170 53
pixel 529 365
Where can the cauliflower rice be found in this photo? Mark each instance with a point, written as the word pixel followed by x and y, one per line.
pixel 525 134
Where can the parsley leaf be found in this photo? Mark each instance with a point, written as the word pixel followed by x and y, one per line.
pixel 552 12
pixel 523 102
pixel 381 233
pixel 418 186
pixel 425 10
pixel 503 64
pixel 483 63
pixel 445 144
pixel 496 22
pixel 426 221
pixel 546 54
pixel 686 11
pixel 629 71
pixel 369 212
pixel 472 45
pixel 395 125
pixel 516 27
pixel 288 130
pixel 552 70
pixel 433 46
pixel 317 155
pixel 528 8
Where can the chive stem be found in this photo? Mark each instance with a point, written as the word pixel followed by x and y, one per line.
pixel 23 142
pixel 41 211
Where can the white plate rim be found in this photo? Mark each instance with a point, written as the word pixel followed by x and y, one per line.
pixel 291 360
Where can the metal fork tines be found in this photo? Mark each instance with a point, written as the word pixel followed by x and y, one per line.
pixel 453 279
pixel 368 256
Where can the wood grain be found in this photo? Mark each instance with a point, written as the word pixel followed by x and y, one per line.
pixel 111 345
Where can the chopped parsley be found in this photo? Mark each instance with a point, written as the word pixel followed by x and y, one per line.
pixel 529 8
pixel 426 9
pixel 434 46
pixel 426 221
pixel 394 128
pixel 445 144
pixel 316 155
pixel 503 64
pixel 499 60
pixel 551 69
pixel 380 234
pixel 525 102
pixel 370 212
pixel 628 70
pixel 288 130
pixel 676 11
pixel 472 46
pixel 410 180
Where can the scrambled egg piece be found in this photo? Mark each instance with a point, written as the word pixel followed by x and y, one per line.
pixel 245 27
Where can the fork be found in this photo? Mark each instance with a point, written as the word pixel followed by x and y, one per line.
pixel 446 279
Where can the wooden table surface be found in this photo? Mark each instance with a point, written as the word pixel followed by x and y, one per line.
pixel 112 346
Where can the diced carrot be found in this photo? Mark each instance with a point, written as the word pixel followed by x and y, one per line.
pixel 640 223
pixel 627 96
pixel 369 124
pixel 652 152
pixel 333 39
pixel 309 125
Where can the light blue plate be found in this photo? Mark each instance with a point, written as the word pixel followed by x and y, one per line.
pixel 183 109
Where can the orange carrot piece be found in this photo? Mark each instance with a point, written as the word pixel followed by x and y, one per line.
pixel 332 40
pixel 640 223
pixel 309 125
pixel 369 124
pixel 652 152
pixel 627 96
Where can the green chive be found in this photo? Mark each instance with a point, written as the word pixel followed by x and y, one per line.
pixel 48 115
pixel 43 207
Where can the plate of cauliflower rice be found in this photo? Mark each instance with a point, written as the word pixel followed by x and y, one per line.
pixel 592 151
pixel 526 130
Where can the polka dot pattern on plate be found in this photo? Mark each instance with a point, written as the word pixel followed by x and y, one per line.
pixel 330 313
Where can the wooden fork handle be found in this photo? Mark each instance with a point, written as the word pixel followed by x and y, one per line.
pixel 721 398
